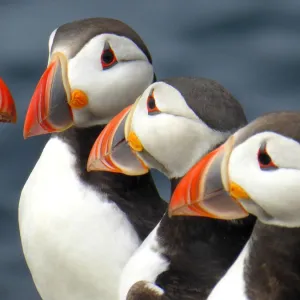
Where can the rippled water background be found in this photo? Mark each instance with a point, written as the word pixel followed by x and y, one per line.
pixel 251 47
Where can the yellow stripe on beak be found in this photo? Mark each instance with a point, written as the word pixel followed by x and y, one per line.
pixel 237 192
pixel 134 142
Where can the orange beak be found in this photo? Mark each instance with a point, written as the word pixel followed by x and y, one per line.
pixel 49 110
pixel 111 152
pixel 202 191
pixel 8 113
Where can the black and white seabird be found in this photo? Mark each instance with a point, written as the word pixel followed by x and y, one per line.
pixel 8 113
pixel 259 167
pixel 170 127
pixel 78 229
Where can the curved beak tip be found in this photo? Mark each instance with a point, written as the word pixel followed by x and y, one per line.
pixel 90 169
pixel 14 118
pixel 8 117
pixel 91 165
pixel 25 136
pixel 185 210
pixel 29 128
pixel 48 110
pixel 97 164
pixel 8 112
pixel 174 208
pixel 111 152
pixel 172 212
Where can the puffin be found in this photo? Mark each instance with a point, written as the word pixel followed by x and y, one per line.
pixel 170 127
pixel 8 112
pixel 78 229
pixel 257 171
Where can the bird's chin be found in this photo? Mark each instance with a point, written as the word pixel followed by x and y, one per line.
pixel 152 162
pixel 86 119
pixel 255 209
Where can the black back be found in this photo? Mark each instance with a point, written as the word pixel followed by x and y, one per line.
pixel 272 270
pixel 136 196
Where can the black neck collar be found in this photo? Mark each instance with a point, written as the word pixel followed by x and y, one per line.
pixel 200 251
pixel 272 268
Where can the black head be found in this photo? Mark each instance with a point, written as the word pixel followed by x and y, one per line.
pixel 75 35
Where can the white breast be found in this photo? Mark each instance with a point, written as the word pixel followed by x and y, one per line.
pixel 146 264
pixel 232 285
pixel 75 242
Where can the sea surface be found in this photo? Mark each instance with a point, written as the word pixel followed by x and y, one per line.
pixel 251 47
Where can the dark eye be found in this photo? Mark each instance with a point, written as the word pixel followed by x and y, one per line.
pixel 264 159
pixel 151 105
pixel 108 58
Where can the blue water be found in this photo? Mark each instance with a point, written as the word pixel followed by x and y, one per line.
pixel 251 47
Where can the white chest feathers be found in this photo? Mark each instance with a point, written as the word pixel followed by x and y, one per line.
pixel 75 242
pixel 145 264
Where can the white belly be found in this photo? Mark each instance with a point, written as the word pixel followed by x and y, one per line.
pixel 75 242
pixel 147 263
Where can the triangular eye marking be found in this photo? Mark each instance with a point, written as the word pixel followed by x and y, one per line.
pixel 108 57
pixel 264 159
pixel 151 104
pixel 106 46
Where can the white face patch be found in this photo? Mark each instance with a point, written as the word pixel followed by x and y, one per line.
pixel 175 137
pixel 275 192
pixel 109 90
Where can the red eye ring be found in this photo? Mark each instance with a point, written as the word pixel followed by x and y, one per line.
pixel 108 58
pixel 151 105
pixel 264 159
